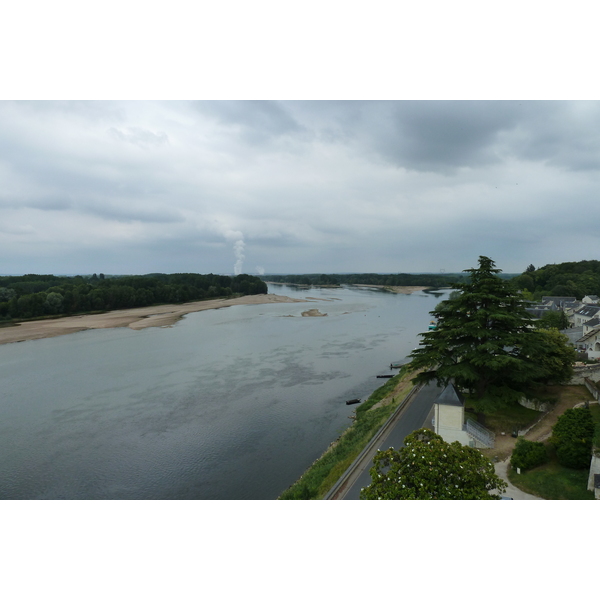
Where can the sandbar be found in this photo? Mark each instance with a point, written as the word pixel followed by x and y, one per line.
pixel 397 289
pixel 164 315
pixel 313 312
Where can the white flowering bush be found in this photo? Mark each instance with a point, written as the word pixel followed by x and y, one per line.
pixel 428 468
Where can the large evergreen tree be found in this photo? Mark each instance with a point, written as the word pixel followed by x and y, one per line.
pixel 484 342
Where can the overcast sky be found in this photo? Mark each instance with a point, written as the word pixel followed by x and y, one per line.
pixel 296 187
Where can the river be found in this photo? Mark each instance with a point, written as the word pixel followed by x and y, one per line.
pixel 227 404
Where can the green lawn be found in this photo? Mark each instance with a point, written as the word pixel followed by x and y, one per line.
pixel 595 410
pixel 553 482
pixel 508 419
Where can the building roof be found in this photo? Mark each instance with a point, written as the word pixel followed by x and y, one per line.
pixel 559 300
pixel 589 334
pixel 592 297
pixel 588 311
pixel 450 397
pixel 593 322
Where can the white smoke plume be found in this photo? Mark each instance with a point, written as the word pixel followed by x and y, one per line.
pixel 260 270
pixel 239 246
pixel 238 250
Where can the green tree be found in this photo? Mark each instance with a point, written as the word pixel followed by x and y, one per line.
pixel 54 303
pixel 553 319
pixel 551 357
pixel 572 437
pixel 428 468
pixel 528 455
pixel 479 341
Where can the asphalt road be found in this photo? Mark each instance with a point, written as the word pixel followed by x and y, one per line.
pixel 412 417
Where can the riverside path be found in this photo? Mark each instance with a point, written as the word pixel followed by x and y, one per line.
pixel 409 418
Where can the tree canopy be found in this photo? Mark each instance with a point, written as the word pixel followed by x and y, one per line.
pixel 553 319
pixel 428 468
pixel 563 279
pixel 33 296
pixel 485 344
pixel 572 436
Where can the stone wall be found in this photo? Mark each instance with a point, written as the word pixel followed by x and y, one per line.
pixel 594 469
pixel 593 388
pixel 592 372
pixel 535 404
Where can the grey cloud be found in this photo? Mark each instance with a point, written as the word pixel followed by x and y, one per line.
pixel 142 138
pixel 126 212
pixel 329 186
pixel 49 203
pixel 260 121
pixel 443 136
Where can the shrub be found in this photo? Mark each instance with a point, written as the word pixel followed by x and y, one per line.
pixel 528 454
pixel 572 437
pixel 574 455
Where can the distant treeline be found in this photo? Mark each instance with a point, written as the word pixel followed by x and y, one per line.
pixel 577 279
pixel 30 296
pixel 426 280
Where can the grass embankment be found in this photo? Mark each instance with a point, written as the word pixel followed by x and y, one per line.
pixel 370 416
pixel 511 418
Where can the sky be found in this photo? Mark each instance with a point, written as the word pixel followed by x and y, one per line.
pixel 258 138
pixel 132 187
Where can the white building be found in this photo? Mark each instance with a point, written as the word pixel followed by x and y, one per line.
pixel 587 313
pixel 449 421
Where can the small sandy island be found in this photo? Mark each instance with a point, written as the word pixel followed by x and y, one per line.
pixel 313 312
pixel 397 289
pixel 134 318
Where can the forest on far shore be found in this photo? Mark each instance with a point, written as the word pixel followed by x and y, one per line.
pixel 427 280
pixel 36 296
pixel 576 279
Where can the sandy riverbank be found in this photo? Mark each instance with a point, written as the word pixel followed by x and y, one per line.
pixel 134 318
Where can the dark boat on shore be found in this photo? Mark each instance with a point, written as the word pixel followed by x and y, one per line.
pixel 355 401
pixel 384 376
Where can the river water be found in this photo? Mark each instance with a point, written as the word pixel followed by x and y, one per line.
pixel 227 404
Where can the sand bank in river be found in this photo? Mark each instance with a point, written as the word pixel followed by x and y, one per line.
pixel 134 318
pixel 313 312
pixel 397 289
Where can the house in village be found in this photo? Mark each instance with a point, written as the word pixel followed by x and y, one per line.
pixel 587 313
pixel 590 340
pixel 558 301
pixel 591 300
pixel 568 304
pixel 449 421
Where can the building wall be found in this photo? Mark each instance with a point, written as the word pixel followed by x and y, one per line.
pixel 451 417
pixel 454 435
pixel 449 421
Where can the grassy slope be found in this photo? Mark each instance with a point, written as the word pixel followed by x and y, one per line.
pixel 370 416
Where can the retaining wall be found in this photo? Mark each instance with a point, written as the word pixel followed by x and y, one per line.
pixel 592 372
pixel 593 388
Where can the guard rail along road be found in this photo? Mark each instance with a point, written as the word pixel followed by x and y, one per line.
pixel 383 431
